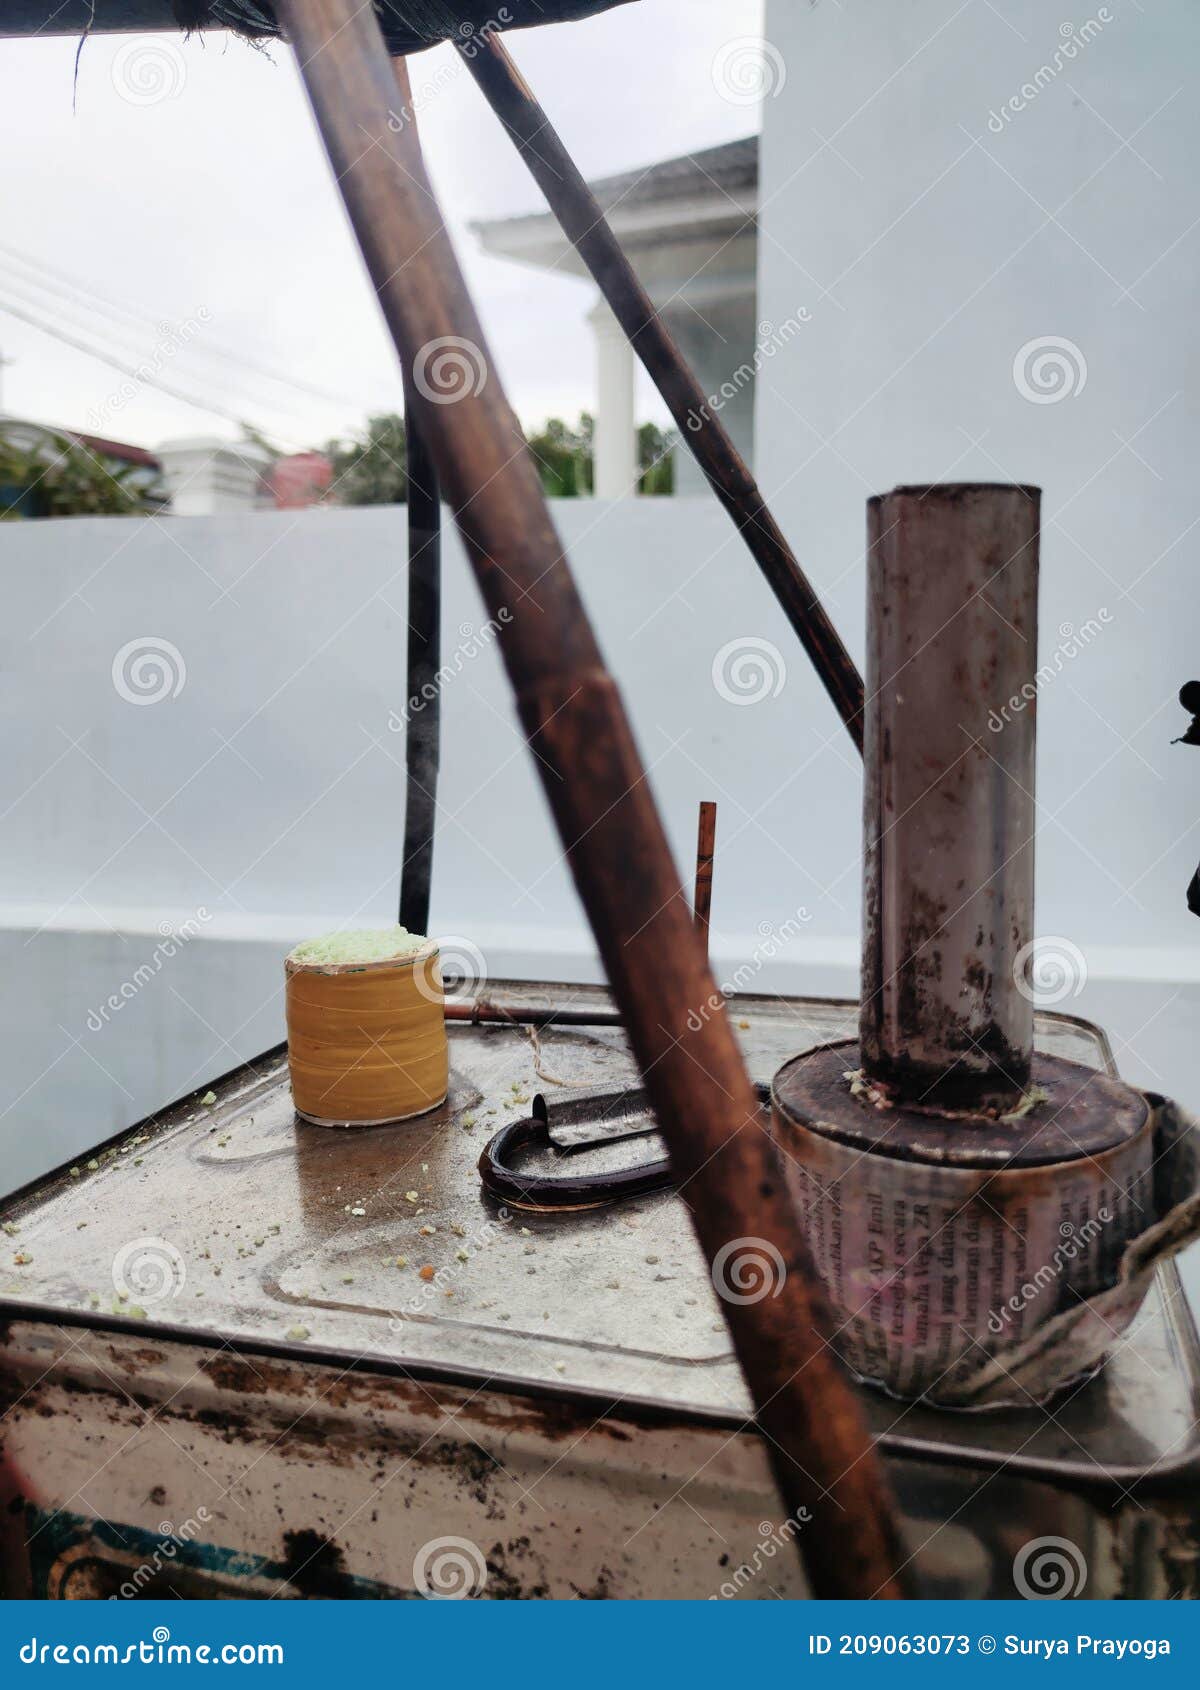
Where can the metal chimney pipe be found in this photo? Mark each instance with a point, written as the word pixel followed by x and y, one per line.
pixel 948 813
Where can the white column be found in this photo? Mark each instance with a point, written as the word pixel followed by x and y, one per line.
pixel 615 471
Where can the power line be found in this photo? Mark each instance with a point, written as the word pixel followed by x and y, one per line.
pixel 137 373
pixel 99 301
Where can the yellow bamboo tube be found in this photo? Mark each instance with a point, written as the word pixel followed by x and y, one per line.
pixel 366 1033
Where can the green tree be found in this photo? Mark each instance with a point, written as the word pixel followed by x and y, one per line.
pixel 564 456
pixel 370 470
pixel 55 475
pixel 656 459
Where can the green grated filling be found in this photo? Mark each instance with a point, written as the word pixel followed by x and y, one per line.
pixel 367 944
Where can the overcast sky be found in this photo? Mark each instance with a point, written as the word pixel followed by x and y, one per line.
pixel 189 190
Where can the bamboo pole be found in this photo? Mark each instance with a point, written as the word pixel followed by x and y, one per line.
pixel 706 844
pixel 585 225
pixel 725 1165
pixel 422 734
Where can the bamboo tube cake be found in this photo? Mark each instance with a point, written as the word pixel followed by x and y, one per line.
pixel 366 1028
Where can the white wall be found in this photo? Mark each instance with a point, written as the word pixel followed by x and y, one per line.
pixel 267 791
pixel 931 250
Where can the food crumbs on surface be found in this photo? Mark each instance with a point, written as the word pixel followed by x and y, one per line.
pixel 525 1232
pixel 458 1231
pixel 358 1210
pixel 94 1300
pixel 73 1173
pixel 11 1228
pixel 653 1260
pixel 427 1231
pixel 401 1261
pixel 259 1242
pixel 136 1312
pixel 425 1273
pixel 296 1334
pixel 461 1256
pixel 560 1367
pixel 79 1225
pixel 467 1121
pixel 138 1160
pixel 22 1259
pixel 347 1279
pixel 744 1025
pixel 412 1196
pixel 274 1227
pixel 209 1098
pixel 614 1285
pixel 92 1165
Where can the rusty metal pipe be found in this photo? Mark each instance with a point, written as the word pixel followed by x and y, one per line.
pixel 948 809
pixel 726 1166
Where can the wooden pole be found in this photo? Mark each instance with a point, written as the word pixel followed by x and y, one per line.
pixel 585 225
pixel 706 843
pixel 725 1165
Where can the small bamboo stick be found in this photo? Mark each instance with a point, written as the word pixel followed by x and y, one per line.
pixel 706 841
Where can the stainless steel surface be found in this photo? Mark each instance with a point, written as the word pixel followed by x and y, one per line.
pixel 296 1366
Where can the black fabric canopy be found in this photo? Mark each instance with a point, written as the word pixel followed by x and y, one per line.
pixel 407 24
